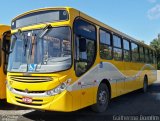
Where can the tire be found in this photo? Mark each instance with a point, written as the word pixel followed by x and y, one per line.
pixel 102 99
pixel 145 84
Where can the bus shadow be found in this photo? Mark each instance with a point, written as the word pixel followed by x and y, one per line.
pixel 154 88
pixel 81 115
pixel 134 103
pixel 6 106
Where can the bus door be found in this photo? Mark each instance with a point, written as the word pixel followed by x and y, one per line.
pixel 6 48
pixel 85 54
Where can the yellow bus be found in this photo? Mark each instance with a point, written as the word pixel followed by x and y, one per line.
pixel 4 52
pixel 63 60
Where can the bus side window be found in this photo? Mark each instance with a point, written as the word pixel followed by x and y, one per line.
pixel 141 51
pixel 135 52
pixel 146 55
pixel 85 46
pixel 154 58
pixel 117 48
pixel 150 56
pixel 105 45
pixel 126 50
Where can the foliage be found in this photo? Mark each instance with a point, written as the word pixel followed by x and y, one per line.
pixel 156 44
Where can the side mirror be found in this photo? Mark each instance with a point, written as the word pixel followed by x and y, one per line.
pixel 82 45
pixel 6 41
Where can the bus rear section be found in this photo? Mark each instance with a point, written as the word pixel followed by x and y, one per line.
pixel 4 52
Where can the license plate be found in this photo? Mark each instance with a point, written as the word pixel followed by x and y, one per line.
pixel 27 100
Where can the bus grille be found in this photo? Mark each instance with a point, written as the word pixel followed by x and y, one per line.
pixel 30 104
pixel 36 102
pixel 31 79
pixel 29 91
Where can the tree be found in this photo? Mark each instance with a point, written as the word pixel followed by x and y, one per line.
pixel 142 41
pixel 156 44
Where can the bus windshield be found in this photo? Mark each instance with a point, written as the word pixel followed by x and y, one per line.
pixel 49 53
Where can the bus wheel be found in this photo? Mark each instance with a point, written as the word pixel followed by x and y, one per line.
pixel 102 99
pixel 145 84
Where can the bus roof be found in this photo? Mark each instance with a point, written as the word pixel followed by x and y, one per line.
pixel 93 20
pixel 4 25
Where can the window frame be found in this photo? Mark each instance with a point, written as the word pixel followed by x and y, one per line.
pixel 111 42
pixel 127 50
pixel 74 43
pixel 138 60
pixel 114 34
pixel 142 61
pixel 146 55
pixel 151 58
pixel 155 57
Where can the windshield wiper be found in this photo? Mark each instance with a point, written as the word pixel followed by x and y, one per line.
pixel 22 35
pixel 13 41
pixel 45 30
pixel 33 42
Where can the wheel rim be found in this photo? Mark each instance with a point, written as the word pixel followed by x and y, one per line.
pixel 102 97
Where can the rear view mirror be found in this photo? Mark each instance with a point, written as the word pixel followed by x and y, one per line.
pixel 6 41
pixel 82 44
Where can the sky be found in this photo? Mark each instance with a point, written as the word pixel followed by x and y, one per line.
pixel 139 19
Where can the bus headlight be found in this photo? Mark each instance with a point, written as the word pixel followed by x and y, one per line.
pixel 9 87
pixel 59 89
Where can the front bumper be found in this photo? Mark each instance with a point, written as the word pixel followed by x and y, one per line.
pixel 60 102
